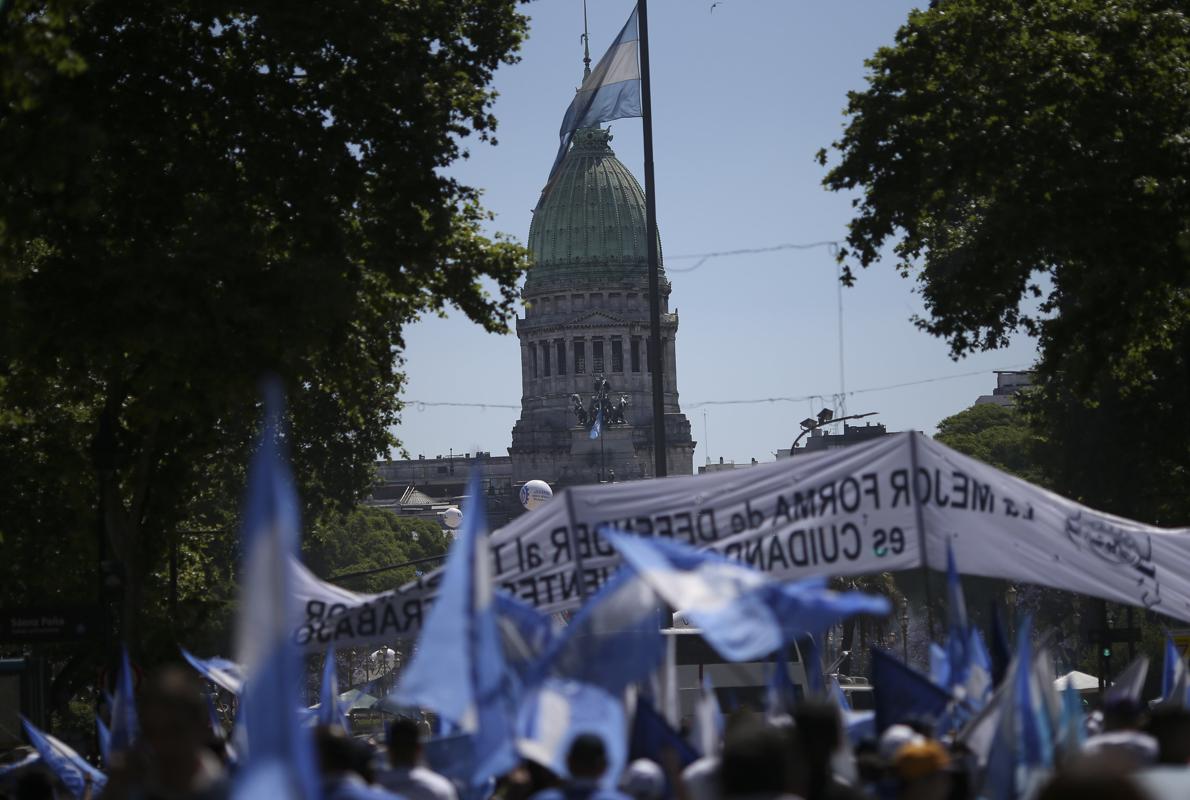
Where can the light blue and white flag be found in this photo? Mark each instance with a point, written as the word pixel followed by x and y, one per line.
pixel 1072 732
pixel 222 672
pixel 526 636
pixel 1130 684
pixel 614 640
pixel 958 633
pixel 596 426
pixel 1021 753
pixel 105 741
pixel 558 711
pixel 1173 673
pixel 70 768
pixel 27 761
pixel 125 726
pixel 611 91
pixel 278 759
pixel 458 669
pixel 330 711
pixel 707 732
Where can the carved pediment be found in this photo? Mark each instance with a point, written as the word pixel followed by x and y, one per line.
pixel 596 318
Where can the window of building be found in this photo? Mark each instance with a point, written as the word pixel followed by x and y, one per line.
pixel 617 355
pixel 580 357
pixel 533 352
pixel 561 346
pixel 635 355
pixel 576 302
pixel 597 357
pixel 545 359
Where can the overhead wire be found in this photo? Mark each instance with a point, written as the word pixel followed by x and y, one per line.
pixel 746 251
pixel 423 404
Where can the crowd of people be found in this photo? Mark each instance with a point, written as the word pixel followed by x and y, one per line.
pixel 1133 752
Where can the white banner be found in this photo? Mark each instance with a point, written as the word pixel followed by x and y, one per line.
pixel 857 510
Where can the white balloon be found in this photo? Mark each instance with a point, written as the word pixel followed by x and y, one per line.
pixel 452 517
pixel 535 493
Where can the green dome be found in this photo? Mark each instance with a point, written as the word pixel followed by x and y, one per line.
pixel 588 229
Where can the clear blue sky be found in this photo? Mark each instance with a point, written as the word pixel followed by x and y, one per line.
pixel 743 97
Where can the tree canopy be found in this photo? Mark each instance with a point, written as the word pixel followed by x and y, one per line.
pixel 1015 150
pixel 1029 164
pixel 193 194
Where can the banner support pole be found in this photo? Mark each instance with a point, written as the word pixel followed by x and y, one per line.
pixel 579 570
pixel 921 534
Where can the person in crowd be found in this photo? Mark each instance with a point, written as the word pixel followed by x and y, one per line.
pixel 345 766
pixel 922 769
pixel 1169 725
pixel 1093 784
pixel 35 784
pixel 407 775
pixel 171 760
pixel 818 739
pixel 587 762
pixel 643 780
pixel 1123 738
pixel 756 764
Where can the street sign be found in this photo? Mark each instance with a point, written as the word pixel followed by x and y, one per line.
pixel 44 625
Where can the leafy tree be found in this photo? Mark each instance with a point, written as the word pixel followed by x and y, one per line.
pixel 368 538
pixel 194 194
pixel 997 435
pixel 1028 160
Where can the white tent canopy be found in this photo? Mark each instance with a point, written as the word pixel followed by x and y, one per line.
pixel 1081 681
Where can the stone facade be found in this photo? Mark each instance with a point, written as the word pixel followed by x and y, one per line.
pixel 587 320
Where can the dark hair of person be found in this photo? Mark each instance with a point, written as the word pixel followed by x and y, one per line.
pixel 1170 726
pixel 587 757
pixel 338 753
pixel 818 736
pixel 404 741
pixel 34 785
pixel 754 761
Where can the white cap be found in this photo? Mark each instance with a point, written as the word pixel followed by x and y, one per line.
pixel 894 738
pixel 643 780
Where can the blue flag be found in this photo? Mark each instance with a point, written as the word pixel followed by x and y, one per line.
pixel 125 726
pixel 1171 674
pixel 611 91
pixel 812 658
pixel 222 672
pixel 1022 749
pixel 652 737
pixel 525 635
pixel 1073 732
pixel 105 741
pixel 999 649
pixel 740 611
pixel 64 762
pixel 558 711
pixel 958 635
pixel 279 761
pixel 901 692
pixel 596 426
pixel 614 640
pixel 458 669
pixel 330 711
pixel 781 693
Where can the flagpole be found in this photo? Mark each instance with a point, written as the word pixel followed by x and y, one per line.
pixel 657 359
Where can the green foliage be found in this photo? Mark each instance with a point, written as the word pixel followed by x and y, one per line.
pixel 1016 150
pixel 997 435
pixel 193 195
pixel 367 538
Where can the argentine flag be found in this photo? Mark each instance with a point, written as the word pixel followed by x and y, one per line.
pixel 611 91
pixel 458 669
pixel 280 761
pixel 596 426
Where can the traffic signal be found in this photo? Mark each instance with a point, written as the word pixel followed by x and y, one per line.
pixel 1107 652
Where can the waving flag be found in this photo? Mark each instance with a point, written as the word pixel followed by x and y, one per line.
pixel 958 634
pixel 1128 687
pixel 781 693
pixel 900 692
pixel 105 741
pixel 125 727
pixel 707 731
pixel 740 611
pixel 279 761
pixel 1022 749
pixel 614 640
pixel 525 634
pixel 596 426
pixel 458 669
pixel 220 671
pixel 558 711
pixel 63 761
pixel 611 91
pixel 330 710
pixel 1173 672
